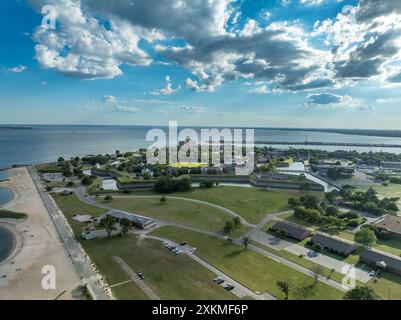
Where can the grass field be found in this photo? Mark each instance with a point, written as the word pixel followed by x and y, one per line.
pixel 253 270
pixel 4 214
pixel 171 277
pixel 179 211
pixel 301 261
pixel 388 286
pixel 48 168
pixel 70 206
pixel 251 203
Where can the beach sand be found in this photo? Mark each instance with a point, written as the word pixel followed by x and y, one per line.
pixel 37 245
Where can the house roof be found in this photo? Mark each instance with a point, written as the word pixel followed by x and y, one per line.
pixel 333 244
pixel 131 217
pixel 390 223
pixel 292 230
pixel 392 262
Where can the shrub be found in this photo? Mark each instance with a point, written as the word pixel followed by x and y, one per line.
pixel 108 198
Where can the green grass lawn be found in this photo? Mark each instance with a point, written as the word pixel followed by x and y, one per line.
pixel 256 271
pixel 388 286
pixel 50 167
pixel 251 203
pixel 171 277
pixel 302 261
pixel 179 211
pixel 70 206
pixel 5 214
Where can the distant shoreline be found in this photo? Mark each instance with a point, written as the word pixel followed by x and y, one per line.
pixel 359 132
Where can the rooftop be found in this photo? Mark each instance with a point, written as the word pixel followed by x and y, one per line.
pixel 292 230
pixel 333 244
pixel 390 223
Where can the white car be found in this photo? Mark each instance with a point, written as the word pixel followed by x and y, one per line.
pixel 372 273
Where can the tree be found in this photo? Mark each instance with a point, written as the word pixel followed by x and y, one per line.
pixel 284 286
pixel 317 272
pixel 294 202
pixel 237 222
pixel 86 181
pixel 228 227
pixel 108 198
pixel 125 225
pixel 310 201
pixel 245 242
pixel 332 211
pixel 365 237
pixel 163 199
pixel 362 293
pixel 163 185
pixel 109 224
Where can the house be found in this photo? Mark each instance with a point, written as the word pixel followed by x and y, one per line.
pixel 334 245
pixel 291 230
pixel 391 224
pixel 388 165
pixel 115 164
pixel 386 262
pixel 89 233
pixel 137 220
pixel 343 171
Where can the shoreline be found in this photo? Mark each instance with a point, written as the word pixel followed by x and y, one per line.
pixel 18 241
pixel 37 244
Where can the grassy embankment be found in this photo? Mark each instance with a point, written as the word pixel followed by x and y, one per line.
pixel 170 276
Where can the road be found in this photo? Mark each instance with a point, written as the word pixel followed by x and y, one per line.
pixel 240 290
pixel 75 251
pixel 80 190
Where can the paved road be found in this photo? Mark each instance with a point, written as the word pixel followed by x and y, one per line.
pixel 133 276
pixel 75 251
pixel 81 191
pixel 240 290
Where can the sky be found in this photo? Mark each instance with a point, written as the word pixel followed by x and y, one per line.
pixel 251 63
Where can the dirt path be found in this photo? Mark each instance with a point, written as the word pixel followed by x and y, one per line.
pixel 141 284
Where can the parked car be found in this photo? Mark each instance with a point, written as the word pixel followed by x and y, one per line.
pixel 229 287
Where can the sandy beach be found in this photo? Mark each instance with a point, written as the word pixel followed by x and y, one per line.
pixel 37 245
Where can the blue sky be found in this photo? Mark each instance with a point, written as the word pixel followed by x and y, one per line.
pixel 265 63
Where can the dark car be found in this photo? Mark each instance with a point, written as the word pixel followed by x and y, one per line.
pixel 229 287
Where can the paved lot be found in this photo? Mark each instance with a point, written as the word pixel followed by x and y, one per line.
pixel 270 240
pixel 331 263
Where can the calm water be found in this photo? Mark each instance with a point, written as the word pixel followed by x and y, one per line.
pixel 47 143
pixel 5 195
pixel 6 243
pixel 4 175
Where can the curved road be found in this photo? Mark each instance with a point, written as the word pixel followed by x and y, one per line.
pixel 81 193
